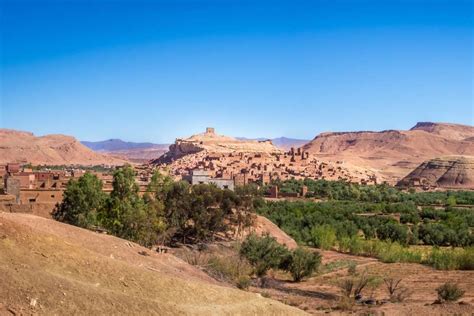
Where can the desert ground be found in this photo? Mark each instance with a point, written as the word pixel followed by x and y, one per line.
pixel 50 268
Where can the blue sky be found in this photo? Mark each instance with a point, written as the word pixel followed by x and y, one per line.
pixel 157 70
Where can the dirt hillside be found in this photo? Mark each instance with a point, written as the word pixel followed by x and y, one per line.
pixel 52 268
pixel 455 172
pixel 19 146
pixel 393 154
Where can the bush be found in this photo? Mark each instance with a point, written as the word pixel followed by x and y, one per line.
pixel 323 237
pixel 451 259
pixel 353 286
pixel 243 282
pixel 394 252
pixel 396 293
pixel 352 269
pixel 263 253
pixel 466 259
pixel 303 263
pixel 231 269
pixel 449 292
pixel 442 259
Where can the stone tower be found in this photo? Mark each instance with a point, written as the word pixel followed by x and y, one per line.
pixel 210 130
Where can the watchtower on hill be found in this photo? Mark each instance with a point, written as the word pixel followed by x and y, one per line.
pixel 210 130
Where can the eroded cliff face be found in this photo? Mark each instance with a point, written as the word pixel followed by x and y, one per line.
pixel 445 172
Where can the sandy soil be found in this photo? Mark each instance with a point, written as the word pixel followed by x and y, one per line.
pixel 319 294
pixel 50 268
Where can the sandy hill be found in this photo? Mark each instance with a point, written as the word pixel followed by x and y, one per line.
pixel 211 142
pixel 445 172
pixel 52 268
pixel 392 154
pixel 447 130
pixel 19 146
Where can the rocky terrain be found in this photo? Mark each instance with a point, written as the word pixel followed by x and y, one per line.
pixel 211 142
pixel 52 268
pixel 19 146
pixel 453 172
pixel 392 154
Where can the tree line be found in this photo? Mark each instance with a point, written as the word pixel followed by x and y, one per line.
pixel 326 222
pixel 343 190
pixel 168 212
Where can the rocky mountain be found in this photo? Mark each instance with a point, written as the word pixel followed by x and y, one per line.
pixel 19 146
pixel 136 152
pixel 392 154
pixel 452 172
pixel 211 142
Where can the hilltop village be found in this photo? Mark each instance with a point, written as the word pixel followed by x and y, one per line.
pixel 229 162
pixel 244 162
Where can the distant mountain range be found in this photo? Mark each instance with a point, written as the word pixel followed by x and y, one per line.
pixel 282 142
pixel 136 152
pixel 115 144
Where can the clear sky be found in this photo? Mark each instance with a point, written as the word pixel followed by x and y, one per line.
pixel 157 70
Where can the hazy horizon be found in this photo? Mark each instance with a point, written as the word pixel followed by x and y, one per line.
pixel 151 71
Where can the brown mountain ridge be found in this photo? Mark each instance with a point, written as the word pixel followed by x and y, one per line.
pixel 392 154
pixel 19 146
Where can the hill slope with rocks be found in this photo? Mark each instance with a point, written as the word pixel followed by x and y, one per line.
pixel 19 146
pixel 452 172
pixel 211 142
pixel 392 154
pixel 50 268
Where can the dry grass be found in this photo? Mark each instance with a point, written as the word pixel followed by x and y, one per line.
pixel 51 268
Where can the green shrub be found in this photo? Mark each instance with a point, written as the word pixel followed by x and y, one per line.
pixel 344 244
pixel 443 259
pixel 394 252
pixel 449 292
pixel 466 259
pixel 263 253
pixel 451 259
pixel 231 269
pixel 303 263
pixel 356 246
pixel 323 237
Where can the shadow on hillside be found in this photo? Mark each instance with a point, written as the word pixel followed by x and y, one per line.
pixel 280 286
